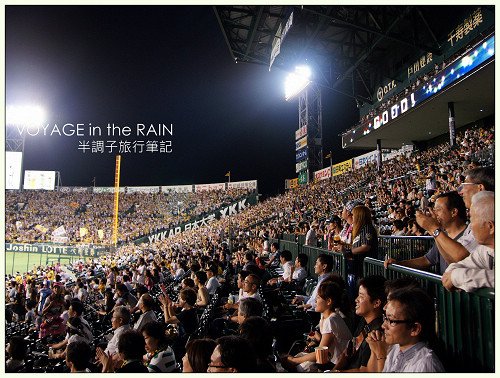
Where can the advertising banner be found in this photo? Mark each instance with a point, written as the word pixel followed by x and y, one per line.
pixel 209 187
pixel 362 160
pixel 300 133
pixel 55 249
pixel 301 155
pixel 177 189
pixel 323 174
pixel 250 184
pixel 300 166
pixel 294 183
pixel 107 189
pixel 235 208
pixel 303 177
pixel 340 168
pixel 143 189
pixel 301 143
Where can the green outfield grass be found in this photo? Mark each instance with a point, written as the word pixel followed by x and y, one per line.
pixel 22 262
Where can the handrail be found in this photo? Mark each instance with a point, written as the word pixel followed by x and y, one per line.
pixel 435 278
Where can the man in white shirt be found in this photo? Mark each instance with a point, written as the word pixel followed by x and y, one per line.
pixel 212 283
pixel 476 271
pixel 323 267
pixel 146 304
pixel 120 323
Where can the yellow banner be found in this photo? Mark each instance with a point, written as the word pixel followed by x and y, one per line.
pixel 294 183
pixel 83 232
pixel 340 168
pixel 100 233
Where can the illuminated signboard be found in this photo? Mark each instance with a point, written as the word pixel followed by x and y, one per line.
pixel 302 132
pixel 300 166
pixel 39 180
pixel 301 143
pixel 301 155
pixel 474 58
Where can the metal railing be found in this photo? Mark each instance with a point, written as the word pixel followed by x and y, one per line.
pixel 403 247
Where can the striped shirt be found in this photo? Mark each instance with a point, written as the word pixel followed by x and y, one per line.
pixel 162 362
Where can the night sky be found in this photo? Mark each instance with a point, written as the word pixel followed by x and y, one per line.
pixel 155 64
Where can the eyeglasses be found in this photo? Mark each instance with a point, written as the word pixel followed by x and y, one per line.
pixel 394 322
pixel 459 189
pixel 217 366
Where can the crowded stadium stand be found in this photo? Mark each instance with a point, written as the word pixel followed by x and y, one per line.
pixel 386 266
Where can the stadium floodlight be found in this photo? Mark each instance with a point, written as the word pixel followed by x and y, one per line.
pixel 25 115
pixel 297 81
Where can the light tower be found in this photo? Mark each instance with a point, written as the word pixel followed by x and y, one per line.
pixel 309 136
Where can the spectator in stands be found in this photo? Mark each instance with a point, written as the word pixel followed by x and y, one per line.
pixel 398 228
pixel 16 351
pixel 159 355
pixel 409 324
pixel 414 229
pixel 250 286
pixel 370 302
pixel 364 244
pixel 450 213
pixel 248 307
pixel 300 273
pixel 212 284
pixel 242 275
pixel 197 355
pixel 233 354
pixel 476 271
pixel 430 180
pixel 323 267
pixel 287 266
pixel 78 356
pixel 146 304
pixel 274 257
pixel 119 323
pixel 476 180
pixel 346 233
pixel 258 332
pixel 202 296
pixel 311 235
pixel 54 306
pixel 130 347
pixel 187 318
pixel 333 331
pixel 125 298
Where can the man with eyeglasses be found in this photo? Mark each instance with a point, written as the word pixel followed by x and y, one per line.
pixel 476 180
pixel 233 354
pixel 408 333
pixel 451 214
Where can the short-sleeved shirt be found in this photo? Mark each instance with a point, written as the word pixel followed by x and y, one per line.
pixel 162 362
pixel 335 325
pixel 362 352
pixel 435 258
pixel 416 359
pixel 367 236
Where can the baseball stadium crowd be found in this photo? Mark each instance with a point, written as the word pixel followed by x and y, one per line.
pixel 140 213
pixel 224 298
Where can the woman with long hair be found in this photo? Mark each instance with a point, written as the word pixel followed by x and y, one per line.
pixel 364 244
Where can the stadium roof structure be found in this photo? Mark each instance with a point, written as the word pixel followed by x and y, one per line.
pixel 354 48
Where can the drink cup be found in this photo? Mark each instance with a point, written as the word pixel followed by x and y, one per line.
pixel 336 239
pixel 230 299
pixel 321 355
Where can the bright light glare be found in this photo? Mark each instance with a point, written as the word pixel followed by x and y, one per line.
pixel 297 81
pixel 25 115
